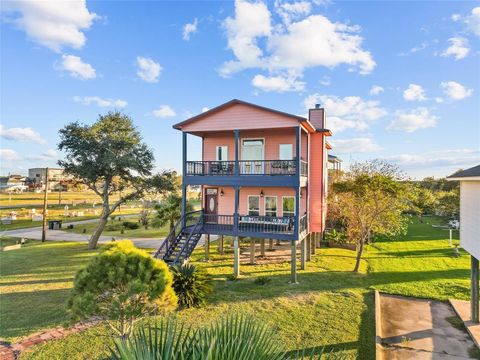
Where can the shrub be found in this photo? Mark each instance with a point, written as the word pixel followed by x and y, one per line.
pixel 336 236
pixel 113 227
pixel 262 280
pixel 234 337
pixel 130 225
pixel 122 284
pixel 191 284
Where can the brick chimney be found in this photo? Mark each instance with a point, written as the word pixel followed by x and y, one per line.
pixel 317 117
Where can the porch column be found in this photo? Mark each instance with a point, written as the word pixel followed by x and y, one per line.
pixel 207 247
pixel 252 251
pixel 220 245
pixel 474 290
pixel 262 247
pixel 308 239
pixel 303 253
pixel 236 257
pixel 298 150
pixel 293 262
pixel 235 215
pixel 270 244
pixel 237 139
pixel 184 173
pixel 278 243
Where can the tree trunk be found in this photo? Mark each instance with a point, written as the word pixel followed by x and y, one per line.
pixel 172 224
pixel 359 255
pixel 92 243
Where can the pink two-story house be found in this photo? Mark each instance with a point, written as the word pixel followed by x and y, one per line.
pixel 263 174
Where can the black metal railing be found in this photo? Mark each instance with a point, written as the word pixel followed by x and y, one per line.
pixel 246 167
pixel 303 168
pixel 218 222
pixel 266 224
pixel 302 224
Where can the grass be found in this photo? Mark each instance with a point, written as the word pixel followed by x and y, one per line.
pixel 32 198
pixel 331 306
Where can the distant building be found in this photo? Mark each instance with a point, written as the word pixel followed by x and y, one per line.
pixel 13 183
pixel 37 178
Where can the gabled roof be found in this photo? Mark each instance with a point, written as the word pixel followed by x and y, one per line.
pixel 469 173
pixel 230 103
pixel 333 158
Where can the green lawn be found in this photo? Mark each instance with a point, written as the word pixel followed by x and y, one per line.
pixel 141 232
pixel 330 307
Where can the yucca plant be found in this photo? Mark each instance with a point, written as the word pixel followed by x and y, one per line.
pixel 191 284
pixel 232 338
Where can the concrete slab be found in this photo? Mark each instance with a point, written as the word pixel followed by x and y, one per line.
pixel 413 328
pixel 462 308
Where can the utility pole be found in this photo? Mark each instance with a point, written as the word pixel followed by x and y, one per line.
pixel 60 190
pixel 44 226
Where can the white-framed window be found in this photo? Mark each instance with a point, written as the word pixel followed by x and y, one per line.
pixel 285 151
pixel 288 205
pixel 222 153
pixel 270 206
pixel 252 149
pixel 253 205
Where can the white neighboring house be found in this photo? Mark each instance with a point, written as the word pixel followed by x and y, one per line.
pixel 470 226
pixel 13 183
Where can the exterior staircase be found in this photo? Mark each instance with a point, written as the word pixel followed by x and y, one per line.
pixel 182 240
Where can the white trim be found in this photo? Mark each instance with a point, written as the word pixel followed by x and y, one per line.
pixel 265 204
pixel 248 204
pixel 289 196
pixel 471 178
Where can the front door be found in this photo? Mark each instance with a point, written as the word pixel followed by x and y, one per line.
pixel 252 156
pixel 211 204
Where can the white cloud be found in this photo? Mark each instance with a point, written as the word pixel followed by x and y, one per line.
pixel 87 100
pixel 294 10
pixel 8 155
pixel 449 157
pixel 455 91
pixel 414 93
pixel 456 17
pixel 350 112
pixel 278 83
pixel 459 48
pixel 205 109
pixel 355 145
pixel 21 134
pixel 376 89
pixel 77 68
pixel 189 29
pixel 54 24
pixel 439 100
pixel 473 21
pixel 148 70
pixel 164 111
pixel 325 81
pixel 413 120
pixel 293 45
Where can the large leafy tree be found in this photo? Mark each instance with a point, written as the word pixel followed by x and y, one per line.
pixel 111 159
pixel 169 211
pixel 371 199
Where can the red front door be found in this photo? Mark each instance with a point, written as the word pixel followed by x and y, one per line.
pixel 211 204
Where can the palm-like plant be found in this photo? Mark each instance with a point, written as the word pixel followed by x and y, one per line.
pixel 235 338
pixel 169 211
pixel 191 285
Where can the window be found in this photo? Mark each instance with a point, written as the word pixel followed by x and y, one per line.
pixel 222 153
pixel 270 206
pixel 286 152
pixel 253 205
pixel 288 206
pixel 252 149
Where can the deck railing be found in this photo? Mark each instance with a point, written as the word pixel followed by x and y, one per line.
pixel 246 167
pixel 249 224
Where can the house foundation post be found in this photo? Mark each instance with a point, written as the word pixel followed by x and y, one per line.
pixel 309 246
pixel 293 262
pixel 220 245
pixel 262 247
pixel 252 251
pixel 207 247
pixel 236 257
pixel 270 244
pixel 303 254
pixel 313 245
pixel 474 305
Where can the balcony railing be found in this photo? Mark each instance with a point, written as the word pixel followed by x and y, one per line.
pixel 248 224
pixel 246 167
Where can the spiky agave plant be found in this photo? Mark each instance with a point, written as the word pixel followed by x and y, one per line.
pixel 232 338
pixel 191 284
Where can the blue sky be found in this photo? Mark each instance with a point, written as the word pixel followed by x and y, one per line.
pixel 399 80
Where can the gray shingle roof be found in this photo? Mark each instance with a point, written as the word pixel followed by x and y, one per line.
pixel 474 171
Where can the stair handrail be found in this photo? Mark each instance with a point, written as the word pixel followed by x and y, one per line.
pixel 171 235
pixel 192 231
